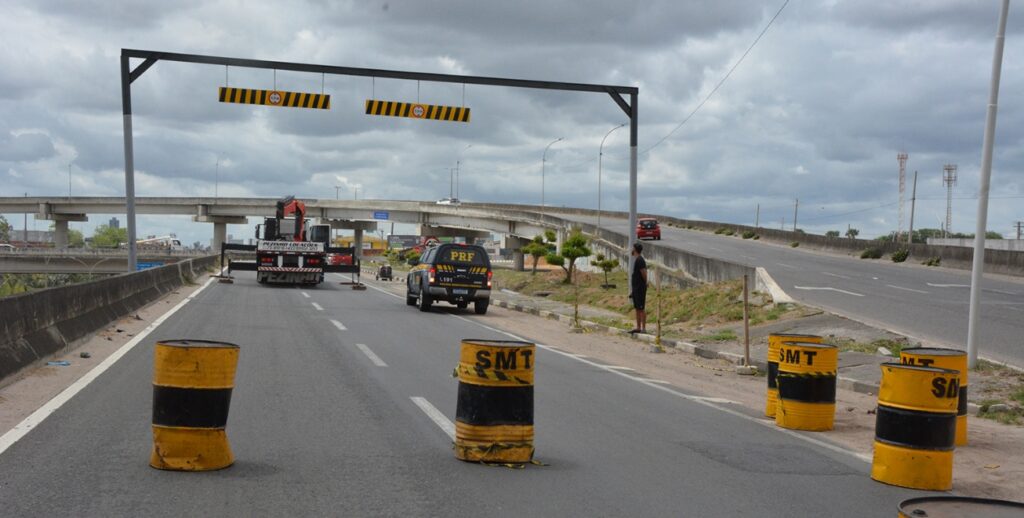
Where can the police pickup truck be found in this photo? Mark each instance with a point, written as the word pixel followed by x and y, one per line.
pixel 451 272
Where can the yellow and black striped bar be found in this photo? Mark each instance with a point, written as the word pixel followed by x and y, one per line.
pixel 951 359
pixel 494 415
pixel 192 384
pixel 959 506
pixel 774 341
pixel 417 111
pixel 274 98
pixel 807 386
pixel 915 427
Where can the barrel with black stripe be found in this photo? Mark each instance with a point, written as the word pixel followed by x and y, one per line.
pixel 959 507
pixel 951 359
pixel 494 416
pixel 192 384
pixel 807 386
pixel 774 341
pixel 915 427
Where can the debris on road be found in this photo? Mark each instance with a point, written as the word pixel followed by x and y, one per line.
pixel 60 363
pixel 85 354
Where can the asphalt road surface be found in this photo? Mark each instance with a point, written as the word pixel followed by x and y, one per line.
pixel 333 415
pixel 929 304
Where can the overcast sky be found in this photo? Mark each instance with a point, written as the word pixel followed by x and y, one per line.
pixel 817 111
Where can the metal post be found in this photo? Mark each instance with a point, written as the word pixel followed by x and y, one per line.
pixel 633 123
pixel 657 288
pixel 796 207
pixel 129 160
pixel 543 163
pixel 757 216
pixel 600 155
pixel 69 181
pixel 746 322
pixel 913 202
pixel 978 265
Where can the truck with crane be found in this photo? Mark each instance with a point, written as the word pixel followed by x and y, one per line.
pixel 289 251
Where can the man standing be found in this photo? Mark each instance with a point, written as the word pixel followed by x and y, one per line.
pixel 638 288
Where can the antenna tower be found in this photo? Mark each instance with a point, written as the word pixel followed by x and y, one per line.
pixel 902 158
pixel 949 179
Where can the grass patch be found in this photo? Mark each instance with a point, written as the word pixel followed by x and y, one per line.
pixel 871 253
pixel 794 244
pixel 724 335
pixel 871 347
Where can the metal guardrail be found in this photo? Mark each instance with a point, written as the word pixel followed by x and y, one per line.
pixel 97 252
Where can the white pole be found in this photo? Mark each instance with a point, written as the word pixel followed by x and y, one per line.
pixel 543 163
pixel 978 265
pixel 600 156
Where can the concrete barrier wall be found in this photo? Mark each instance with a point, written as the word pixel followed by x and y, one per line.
pixel 39 324
pixel 1008 262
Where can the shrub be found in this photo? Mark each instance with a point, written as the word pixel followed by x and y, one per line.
pixel 729 232
pixel 900 255
pixel 871 253
pixel 756 237
pixel 720 230
pixel 794 244
pixel 748 234
pixel 933 261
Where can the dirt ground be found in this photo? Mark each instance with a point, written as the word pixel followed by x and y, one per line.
pixel 992 465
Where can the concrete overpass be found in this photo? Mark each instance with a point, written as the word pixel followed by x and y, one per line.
pixel 357 215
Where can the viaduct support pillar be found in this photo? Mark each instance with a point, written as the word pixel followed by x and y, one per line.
pixel 60 234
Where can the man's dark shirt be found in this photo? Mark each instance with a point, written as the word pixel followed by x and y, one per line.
pixel 637 282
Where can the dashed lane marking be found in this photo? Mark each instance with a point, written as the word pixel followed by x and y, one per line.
pixel 435 415
pixel 304 294
pixel 948 285
pixel 784 265
pixel 828 288
pixel 905 289
pixel 371 355
pixel 318 307
pixel 830 274
pixel 339 325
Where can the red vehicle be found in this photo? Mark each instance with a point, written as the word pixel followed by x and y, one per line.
pixel 647 228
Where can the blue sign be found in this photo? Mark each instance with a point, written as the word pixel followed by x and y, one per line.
pixel 145 266
pixel 380 214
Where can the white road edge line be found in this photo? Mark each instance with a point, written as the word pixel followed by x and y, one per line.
pixel 339 325
pixel 435 415
pixel 370 354
pixel 905 289
pixel 26 425
pixel 827 288
pixel 617 367
pixel 948 285
pixel 445 423
pixel 318 307
pixel 304 294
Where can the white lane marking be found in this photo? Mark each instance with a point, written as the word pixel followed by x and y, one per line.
pixel 1001 292
pixel 370 354
pixel 339 325
pixel 446 425
pixel 435 415
pixel 304 294
pixel 834 275
pixel 662 382
pixel 786 265
pixel 905 289
pixel 948 285
pixel 619 367
pixel 709 402
pixel 827 288
pixel 318 307
pixel 51 406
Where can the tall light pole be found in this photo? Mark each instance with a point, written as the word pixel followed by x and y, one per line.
pixel 543 162
pixel 978 264
pixel 457 164
pixel 337 192
pixel 600 154
pixel 216 180
pixel 69 180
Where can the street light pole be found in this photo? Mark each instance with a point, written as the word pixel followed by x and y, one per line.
pixel 457 165
pixel 978 264
pixel 337 192
pixel 543 162
pixel 216 180
pixel 600 155
pixel 69 180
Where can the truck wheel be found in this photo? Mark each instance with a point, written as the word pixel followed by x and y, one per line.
pixel 480 306
pixel 424 301
pixel 410 299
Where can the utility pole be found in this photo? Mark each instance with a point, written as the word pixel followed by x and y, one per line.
pixel 913 200
pixel 795 208
pixel 1018 225
pixel 757 216
pixel 978 262
pixel 901 157
pixel 69 181
pixel 216 180
pixel 451 182
pixel 337 192
pixel 949 179
pixel 24 235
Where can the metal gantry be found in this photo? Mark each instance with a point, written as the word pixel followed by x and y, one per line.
pixel 149 57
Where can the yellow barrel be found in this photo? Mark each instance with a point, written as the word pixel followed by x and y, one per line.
pixel 192 383
pixel 951 359
pixel 774 341
pixel 807 386
pixel 494 415
pixel 959 507
pixel 915 427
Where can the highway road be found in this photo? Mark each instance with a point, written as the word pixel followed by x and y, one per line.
pixel 928 304
pixel 341 406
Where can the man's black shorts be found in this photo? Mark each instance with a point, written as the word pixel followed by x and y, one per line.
pixel 639 298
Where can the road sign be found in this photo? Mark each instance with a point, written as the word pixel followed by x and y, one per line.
pixel 145 266
pixel 274 98
pixel 381 214
pixel 417 111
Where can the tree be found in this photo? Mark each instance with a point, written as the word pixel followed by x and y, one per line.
pixel 75 238
pixel 991 234
pixel 5 229
pixel 573 248
pixel 606 265
pixel 536 248
pixel 852 233
pixel 832 233
pixel 107 237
